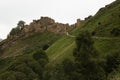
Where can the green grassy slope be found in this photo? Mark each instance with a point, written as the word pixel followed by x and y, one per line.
pixel 61 49
pixel 25 45
pixel 107 18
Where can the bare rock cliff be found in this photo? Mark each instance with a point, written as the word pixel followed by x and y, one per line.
pixel 45 24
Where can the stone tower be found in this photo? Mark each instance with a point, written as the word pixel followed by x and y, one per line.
pixel 78 22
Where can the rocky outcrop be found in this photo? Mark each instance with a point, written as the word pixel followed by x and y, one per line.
pixel 41 25
pixel 45 24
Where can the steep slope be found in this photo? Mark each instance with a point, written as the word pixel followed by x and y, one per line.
pixel 106 20
pixel 104 26
pixel 101 25
pixel 40 33
pixel 61 49
pixel 26 45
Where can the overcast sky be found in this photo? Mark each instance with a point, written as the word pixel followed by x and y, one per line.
pixel 65 11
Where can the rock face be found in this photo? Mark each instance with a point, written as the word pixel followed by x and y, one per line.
pixel 45 24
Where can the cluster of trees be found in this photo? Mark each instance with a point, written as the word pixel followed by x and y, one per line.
pixel 26 67
pixel 17 30
pixel 87 59
pixel 115 31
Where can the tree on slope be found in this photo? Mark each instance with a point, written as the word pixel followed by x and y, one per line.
pixel 86 59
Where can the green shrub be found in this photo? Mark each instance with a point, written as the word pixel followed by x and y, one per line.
pixel 112 62
pixel 41 57
pixel 115 31
pixel 15 31
pixel 12 75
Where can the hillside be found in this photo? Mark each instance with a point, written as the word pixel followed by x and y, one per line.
pixel 25 42
pixel 40 33
pixel 96 40
pixel 107 19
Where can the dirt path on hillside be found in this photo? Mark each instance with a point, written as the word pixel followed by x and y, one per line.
pixel 95 37
pixel 106 38
pixel 70 35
